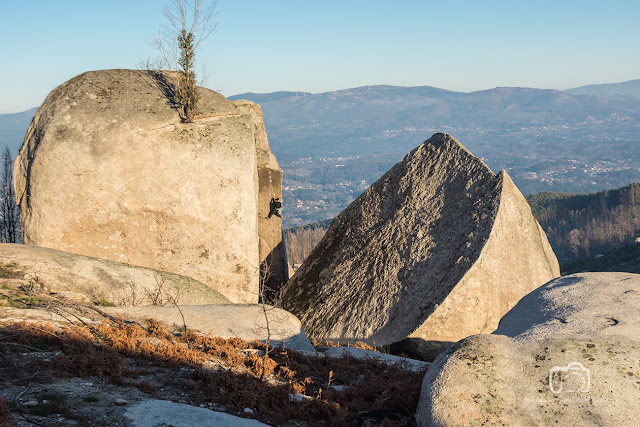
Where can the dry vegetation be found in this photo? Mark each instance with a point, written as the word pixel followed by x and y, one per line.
pixel 211 371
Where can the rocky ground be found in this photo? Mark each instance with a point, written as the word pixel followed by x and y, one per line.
pixel 69 364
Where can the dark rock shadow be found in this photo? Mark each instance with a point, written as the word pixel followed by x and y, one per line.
pixel 160 81
pixel 420 349
pixel 272 276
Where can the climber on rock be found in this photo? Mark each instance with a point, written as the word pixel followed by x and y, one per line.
pixel 275 207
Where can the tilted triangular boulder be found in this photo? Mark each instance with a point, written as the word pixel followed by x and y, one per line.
pixel 437 249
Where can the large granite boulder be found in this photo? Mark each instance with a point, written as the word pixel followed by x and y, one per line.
pixel 437 249
pixel 566 354
pixel 108 170
pixel 93 280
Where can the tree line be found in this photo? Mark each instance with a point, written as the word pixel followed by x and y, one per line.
pixel 300 241
pixel 9 221
pixel 585 225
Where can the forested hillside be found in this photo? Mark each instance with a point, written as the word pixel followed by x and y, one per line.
pixel 584 225
pixel 300 241
pixel 578 226
pixel 625 258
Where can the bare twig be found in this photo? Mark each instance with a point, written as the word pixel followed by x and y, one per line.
pixel 26 347
pixel 184 323
pixel 106 315
pixel 265 274
pixel 26 389
pixel 162 295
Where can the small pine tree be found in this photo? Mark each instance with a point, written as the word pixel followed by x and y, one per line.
pixel 187 92
pixel 189 24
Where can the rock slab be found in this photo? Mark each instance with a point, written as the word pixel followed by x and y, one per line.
pixel 566 354
pixel 361 354
pixel 94 280
pixel 246 321
pixel 271 252
pixel 153 413
pixel 439 248
pixel 108 170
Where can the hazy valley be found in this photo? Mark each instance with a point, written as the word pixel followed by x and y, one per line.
pixel 331 146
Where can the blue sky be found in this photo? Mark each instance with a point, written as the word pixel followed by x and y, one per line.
pixel 265 46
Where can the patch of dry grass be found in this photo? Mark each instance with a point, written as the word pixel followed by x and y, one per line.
pixel 218 371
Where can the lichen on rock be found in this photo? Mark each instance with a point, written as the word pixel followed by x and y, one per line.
pixel 556 358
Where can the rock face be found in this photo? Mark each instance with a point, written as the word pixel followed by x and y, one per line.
pixel 568 354
pixel 107 170
pixel 437 249
pixel 272 264
pixel 87 279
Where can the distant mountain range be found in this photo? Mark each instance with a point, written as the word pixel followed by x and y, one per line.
pixel 300 123
pixel 369 108
pixel 332 145
pixel 581 140
pixel 630 89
